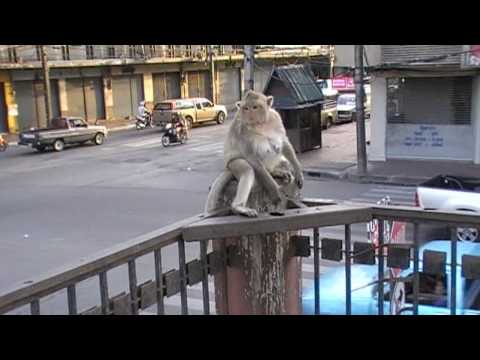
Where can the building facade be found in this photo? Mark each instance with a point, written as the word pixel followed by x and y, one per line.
pixel 106 82
pixel 425 101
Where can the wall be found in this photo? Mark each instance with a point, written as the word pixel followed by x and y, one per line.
pixel 344 55
pixel 476 118
pixel 378 119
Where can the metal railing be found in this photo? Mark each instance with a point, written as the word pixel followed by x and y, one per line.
pixel 313 214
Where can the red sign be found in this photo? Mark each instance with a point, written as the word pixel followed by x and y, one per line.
pixel 343 83
pixel 473 56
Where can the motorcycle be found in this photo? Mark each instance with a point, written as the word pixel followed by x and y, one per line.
pixel 173 135
pixel 143 123
pixel 3 143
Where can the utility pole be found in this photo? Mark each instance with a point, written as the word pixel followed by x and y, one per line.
pixel 213 83
pixel 249 51
pixel 360 115
pixel 46 84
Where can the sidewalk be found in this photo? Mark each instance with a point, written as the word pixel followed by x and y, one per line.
pixel 337 160
pixel 112 125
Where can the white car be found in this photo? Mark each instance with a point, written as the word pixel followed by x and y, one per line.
pixel 451 193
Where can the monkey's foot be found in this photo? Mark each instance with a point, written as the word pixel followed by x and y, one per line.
pixel 245 211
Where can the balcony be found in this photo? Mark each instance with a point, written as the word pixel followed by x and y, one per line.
pixel 28 56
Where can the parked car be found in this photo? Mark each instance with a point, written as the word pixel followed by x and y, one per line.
pixel 433 295
pixel 327 88
pixel 194 111
pixel 450 193
pixel 346 107
pixel 63 131
pixel 329 113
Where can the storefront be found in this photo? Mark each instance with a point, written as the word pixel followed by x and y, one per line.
pixel 229 86
pixel 30 98
pixel 85 98
pixel 127 93
pixel 166 86
pixel 430 118
pixel 199 84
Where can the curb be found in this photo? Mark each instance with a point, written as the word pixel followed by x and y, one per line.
pixel 366 179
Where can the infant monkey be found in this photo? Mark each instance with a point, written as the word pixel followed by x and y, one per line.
pixel 256 147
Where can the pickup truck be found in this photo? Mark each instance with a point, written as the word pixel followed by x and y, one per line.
pixel 193 110
pixel 63 131
pixel 451 193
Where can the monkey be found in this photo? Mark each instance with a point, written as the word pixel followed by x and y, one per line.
pixel 256 148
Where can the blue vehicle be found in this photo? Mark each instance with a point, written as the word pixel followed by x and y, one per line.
pixel 433 290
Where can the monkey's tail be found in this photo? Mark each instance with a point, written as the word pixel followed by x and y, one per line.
pixel 216 190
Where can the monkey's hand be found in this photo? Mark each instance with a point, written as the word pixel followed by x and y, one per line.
pixel 299 178
pixel 285 176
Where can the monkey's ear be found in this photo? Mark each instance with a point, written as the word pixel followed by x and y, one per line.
pixel 238 104
pixel 270 101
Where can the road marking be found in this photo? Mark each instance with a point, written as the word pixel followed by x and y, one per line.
pixel 209 147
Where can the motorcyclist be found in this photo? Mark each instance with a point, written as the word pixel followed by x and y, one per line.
pixel 3 143
pixel 143 112
pixel 180 124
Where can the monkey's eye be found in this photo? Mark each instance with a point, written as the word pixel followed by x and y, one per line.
pixel 255 107
pixel 245 108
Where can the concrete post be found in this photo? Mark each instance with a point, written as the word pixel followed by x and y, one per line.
pixel 262 276
pixel 249 59
pixel 108 96
pixel 148 86
pixel 46 84
pixel 360 118
pixel 11 105
pixel 62 94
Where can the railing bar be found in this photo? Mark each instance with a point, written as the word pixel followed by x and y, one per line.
pixel 453 274
pixel 159 281
pixel 316 267
pixel 203 259
pixel 183 272
pixel 381 267
pixel 132 280
pixel 348 270
pixel 35 307
pixel 104 292
pixel 72 300
pixel 416 275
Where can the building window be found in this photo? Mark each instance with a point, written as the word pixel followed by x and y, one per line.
pixel 65 52
pixel 90 54
pixel 38 54
pixel 12 55
pixel 171 51
pixel 188 50
pixel 436 101
pixel 111 51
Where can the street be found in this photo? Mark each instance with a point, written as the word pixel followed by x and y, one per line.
pixel 59 207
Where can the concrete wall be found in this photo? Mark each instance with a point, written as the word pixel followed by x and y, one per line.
pixel 344 55
pixel 476 118
pixel 378 119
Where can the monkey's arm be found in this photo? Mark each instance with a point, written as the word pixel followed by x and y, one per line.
pixel 264 177
pixel 289 153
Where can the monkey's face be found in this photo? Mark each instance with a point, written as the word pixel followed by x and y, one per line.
pixel 255 108
pixel 254 112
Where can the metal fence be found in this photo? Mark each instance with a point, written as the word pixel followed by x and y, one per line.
pixel 310 214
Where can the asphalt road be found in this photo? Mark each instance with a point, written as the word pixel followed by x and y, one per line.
pixel 56 208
